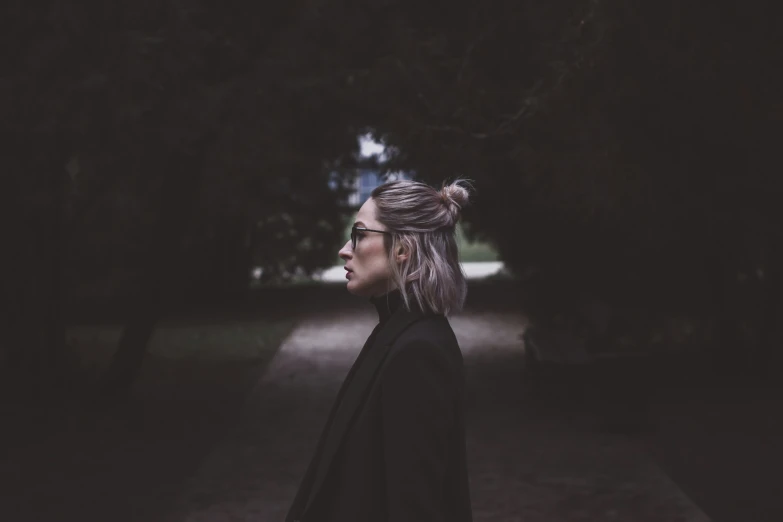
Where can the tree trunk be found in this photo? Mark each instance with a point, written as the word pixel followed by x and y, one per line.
pixel 132 347
pixel 771 335
pixel 160 269
pixel 33 348
pixel 729 355
pixel 56 244
pixel 145 310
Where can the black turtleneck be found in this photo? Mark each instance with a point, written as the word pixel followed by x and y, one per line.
pixel 387 304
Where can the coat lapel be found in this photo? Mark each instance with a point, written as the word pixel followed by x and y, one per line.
pixel 305 487
pixel 355 393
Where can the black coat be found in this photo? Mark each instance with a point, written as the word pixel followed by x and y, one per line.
pixel 393 448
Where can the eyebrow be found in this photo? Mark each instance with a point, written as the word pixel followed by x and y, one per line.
pixel 359 224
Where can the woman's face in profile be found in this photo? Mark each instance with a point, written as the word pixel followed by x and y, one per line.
pixel 367 265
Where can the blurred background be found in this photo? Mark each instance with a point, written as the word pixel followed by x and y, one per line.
pixel 181 174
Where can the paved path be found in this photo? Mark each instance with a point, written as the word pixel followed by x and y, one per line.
pixel 525 465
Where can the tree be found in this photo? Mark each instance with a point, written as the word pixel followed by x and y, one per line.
pixel 594 130
pixel 622 147
pixel 164 143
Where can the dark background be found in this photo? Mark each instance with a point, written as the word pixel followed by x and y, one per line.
pixel 623 152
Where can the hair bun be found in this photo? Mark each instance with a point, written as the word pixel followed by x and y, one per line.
pixel 456 197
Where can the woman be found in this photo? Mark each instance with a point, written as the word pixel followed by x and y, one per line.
pixel 393 448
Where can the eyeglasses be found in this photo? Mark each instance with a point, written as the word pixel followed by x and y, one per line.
pixel 355 229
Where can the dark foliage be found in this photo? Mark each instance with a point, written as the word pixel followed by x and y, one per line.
pixel 158 149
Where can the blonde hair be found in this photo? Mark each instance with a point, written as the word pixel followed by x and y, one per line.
pixel 422 220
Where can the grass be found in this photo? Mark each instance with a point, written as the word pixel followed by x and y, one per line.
pixel 130 462
pixel 226 341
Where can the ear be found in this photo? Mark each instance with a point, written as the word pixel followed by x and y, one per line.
pixel 403 254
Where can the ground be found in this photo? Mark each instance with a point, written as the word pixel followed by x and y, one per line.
pixel 525 464
pixel 230 441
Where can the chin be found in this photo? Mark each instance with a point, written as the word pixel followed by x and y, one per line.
pixel 354 288
pixel 362 290
pixel 369 291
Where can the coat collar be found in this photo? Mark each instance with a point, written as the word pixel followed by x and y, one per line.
pixel 387 304
pixel 357 390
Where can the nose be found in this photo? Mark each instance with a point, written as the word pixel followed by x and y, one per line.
pixel 346 252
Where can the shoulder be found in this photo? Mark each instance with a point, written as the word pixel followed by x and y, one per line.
pixel 433 329
pixel 429 337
